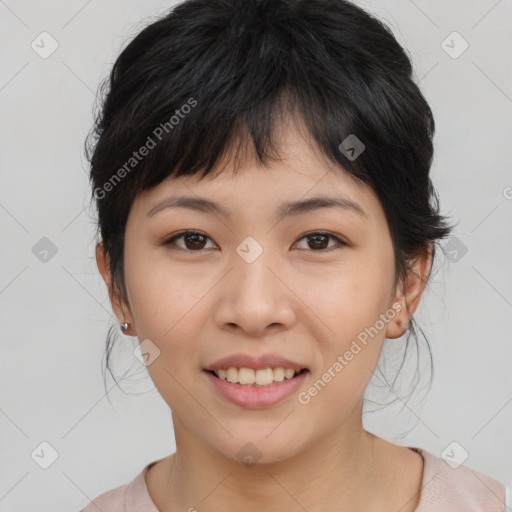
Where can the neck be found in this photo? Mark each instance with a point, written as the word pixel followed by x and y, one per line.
pixel 339 469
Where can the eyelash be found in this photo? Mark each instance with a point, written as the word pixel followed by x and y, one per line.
pixel 342 243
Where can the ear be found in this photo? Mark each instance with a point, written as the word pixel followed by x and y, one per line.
pixel 121 310
pixel 410 294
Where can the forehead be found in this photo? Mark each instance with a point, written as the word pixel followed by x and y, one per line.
pixel 300 172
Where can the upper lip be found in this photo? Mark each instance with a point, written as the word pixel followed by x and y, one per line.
pixel 256 362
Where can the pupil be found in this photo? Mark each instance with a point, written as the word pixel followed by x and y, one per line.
pixel 315 240
pixel 190 238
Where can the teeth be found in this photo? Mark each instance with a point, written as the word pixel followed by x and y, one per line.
pixel 249 376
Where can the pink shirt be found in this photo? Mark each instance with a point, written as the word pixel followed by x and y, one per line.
pixel 443 490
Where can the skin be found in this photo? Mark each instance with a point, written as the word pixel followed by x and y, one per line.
pixel 205 302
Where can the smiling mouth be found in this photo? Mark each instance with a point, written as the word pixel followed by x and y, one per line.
pixel 248 377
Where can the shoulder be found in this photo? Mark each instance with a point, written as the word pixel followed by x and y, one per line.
pixel 110 501
pixel 451 487
pixel 131 497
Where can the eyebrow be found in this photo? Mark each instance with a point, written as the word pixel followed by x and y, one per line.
pixel 286 209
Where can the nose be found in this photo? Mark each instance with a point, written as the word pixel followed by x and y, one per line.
pixel 255 298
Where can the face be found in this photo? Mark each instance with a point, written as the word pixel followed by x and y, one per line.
pixel 312 285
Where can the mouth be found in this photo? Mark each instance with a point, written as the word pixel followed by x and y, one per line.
pixel 255 389
pixel 257 378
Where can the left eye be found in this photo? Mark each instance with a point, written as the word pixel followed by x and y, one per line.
pixel 318 241
pixel 195 241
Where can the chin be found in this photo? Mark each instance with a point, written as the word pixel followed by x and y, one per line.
pixel 251 450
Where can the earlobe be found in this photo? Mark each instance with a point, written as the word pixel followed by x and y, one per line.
pixel 410 294
pixel 398 324
pixel 103 264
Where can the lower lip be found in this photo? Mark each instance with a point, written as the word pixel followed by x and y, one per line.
pixel 256 397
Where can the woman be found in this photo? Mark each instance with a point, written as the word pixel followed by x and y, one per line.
pixel 267 220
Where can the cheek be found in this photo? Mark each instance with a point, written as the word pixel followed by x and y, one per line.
pixel 351 308
pixel 166 305
pixel 161 295
pixel 351 299
pixel 348 308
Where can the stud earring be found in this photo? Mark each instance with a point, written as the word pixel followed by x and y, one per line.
pixel 124 326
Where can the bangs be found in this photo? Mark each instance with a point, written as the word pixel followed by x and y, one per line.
pixel 193 100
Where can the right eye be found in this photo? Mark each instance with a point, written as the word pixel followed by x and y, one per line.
pixel 194 241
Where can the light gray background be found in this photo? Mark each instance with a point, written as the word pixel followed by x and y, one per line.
pixel 55 315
